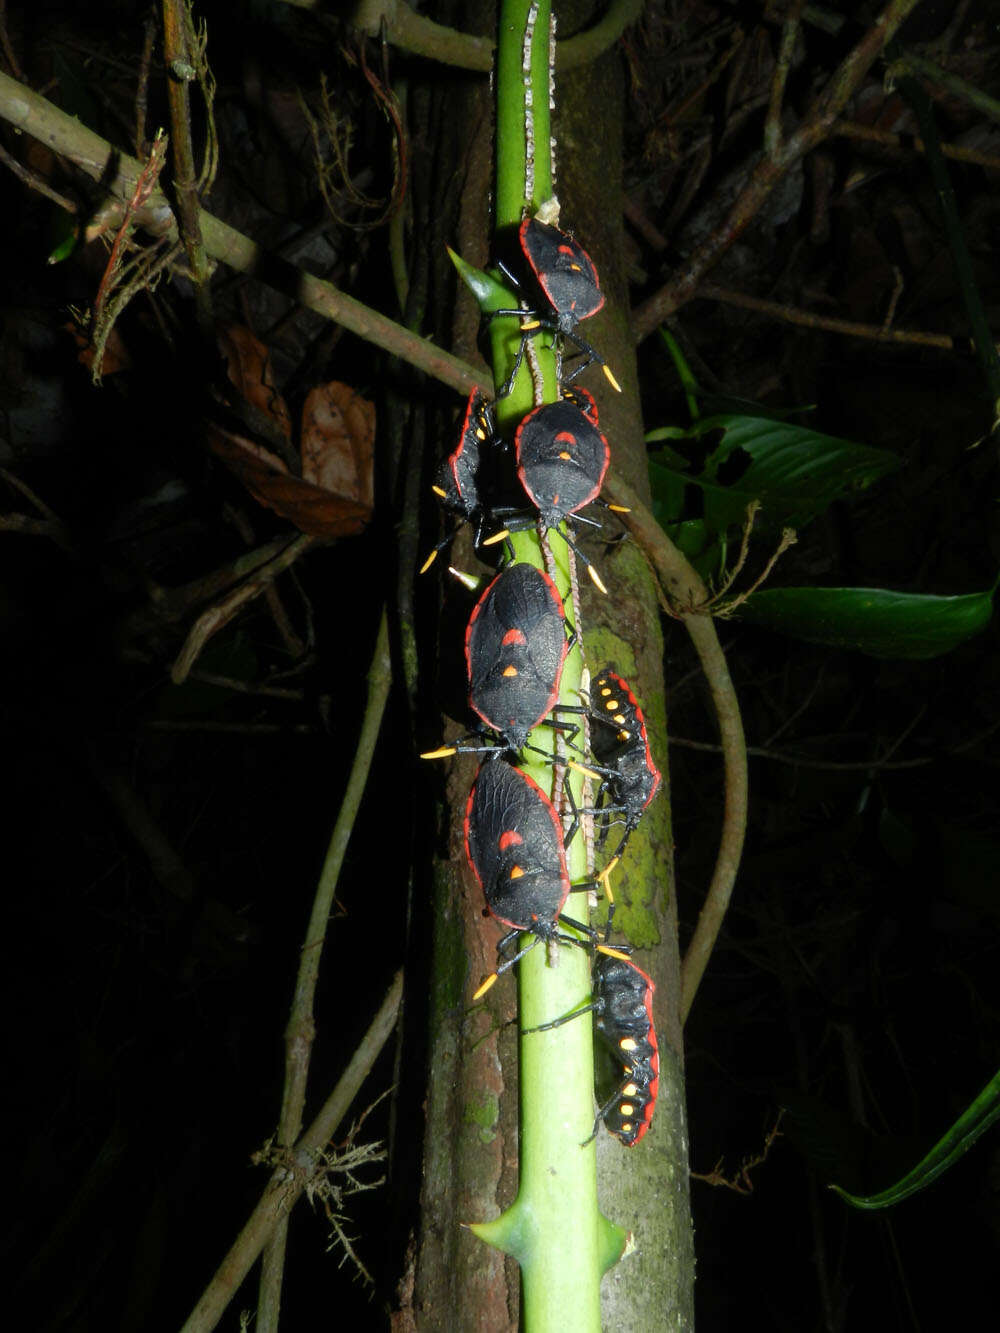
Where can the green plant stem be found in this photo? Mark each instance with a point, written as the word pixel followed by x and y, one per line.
pixel 554 1228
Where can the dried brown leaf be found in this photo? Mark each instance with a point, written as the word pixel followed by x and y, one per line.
pixel 249 367
pixel 313 509
pixel 338 435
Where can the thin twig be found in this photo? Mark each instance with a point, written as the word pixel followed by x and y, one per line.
pixel 289 1180
pixel 35 182
pixel 301 1028
pixel 39 527
pixel 175 603
pixel 142 85
pixel 247 686
pixel 212 620
pixel 954 83
pixel 181 70
pixel 789 33
pixel 119 172
pixel 802 761
pixel 741 1182
pixel 413 32
pixel 850 129
pixel 817 125
pixel 685 588
pixel 709 291
pixel 965 275
pixel 24 489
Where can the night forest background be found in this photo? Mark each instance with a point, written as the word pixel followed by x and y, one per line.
pixel 163 840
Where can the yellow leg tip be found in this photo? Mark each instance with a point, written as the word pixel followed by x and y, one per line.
pixel 486 985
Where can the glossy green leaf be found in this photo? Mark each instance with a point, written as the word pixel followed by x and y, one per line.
pixel 872 620
pixel 794 472
pixel 957 1141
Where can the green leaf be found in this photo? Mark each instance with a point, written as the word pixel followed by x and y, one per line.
pixel 872 620
pixel 794 472
pixel 490 292
pixel 958 1140
pixel 701 401
pixel 63 236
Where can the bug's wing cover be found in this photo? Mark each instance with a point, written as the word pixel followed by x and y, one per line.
pixel 562 459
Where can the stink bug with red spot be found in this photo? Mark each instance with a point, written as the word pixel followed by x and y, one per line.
pixel 515 646
pixel 567 280
pixel 623 996
pixel 562 458
pixel 514 843
pixel 564 271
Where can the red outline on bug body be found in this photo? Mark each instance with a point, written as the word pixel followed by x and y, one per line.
pixel 640 721
pixel 515 634
pixel 563 433
pixel 512 837
pixel 563 244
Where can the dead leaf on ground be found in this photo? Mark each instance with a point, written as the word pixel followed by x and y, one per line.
pixel 338 435
pixel 313 509
pixel 249 366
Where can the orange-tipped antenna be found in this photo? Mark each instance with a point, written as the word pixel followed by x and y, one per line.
pixel 429 561
pixel 610 378
pixel 445 752
pixel 587 772
pixel 497 537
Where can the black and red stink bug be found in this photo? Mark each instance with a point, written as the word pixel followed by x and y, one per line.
pixel 581 398
pixel 515 646
pixel 619 745
pixel 562 458
pixel 458 479
pixel 564 271
pixel 625 1021
pixel 514 842
pixel 470 473
pixel 623 1015
pixel 568 281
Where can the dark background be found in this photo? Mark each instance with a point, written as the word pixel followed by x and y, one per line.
pixel 855 981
